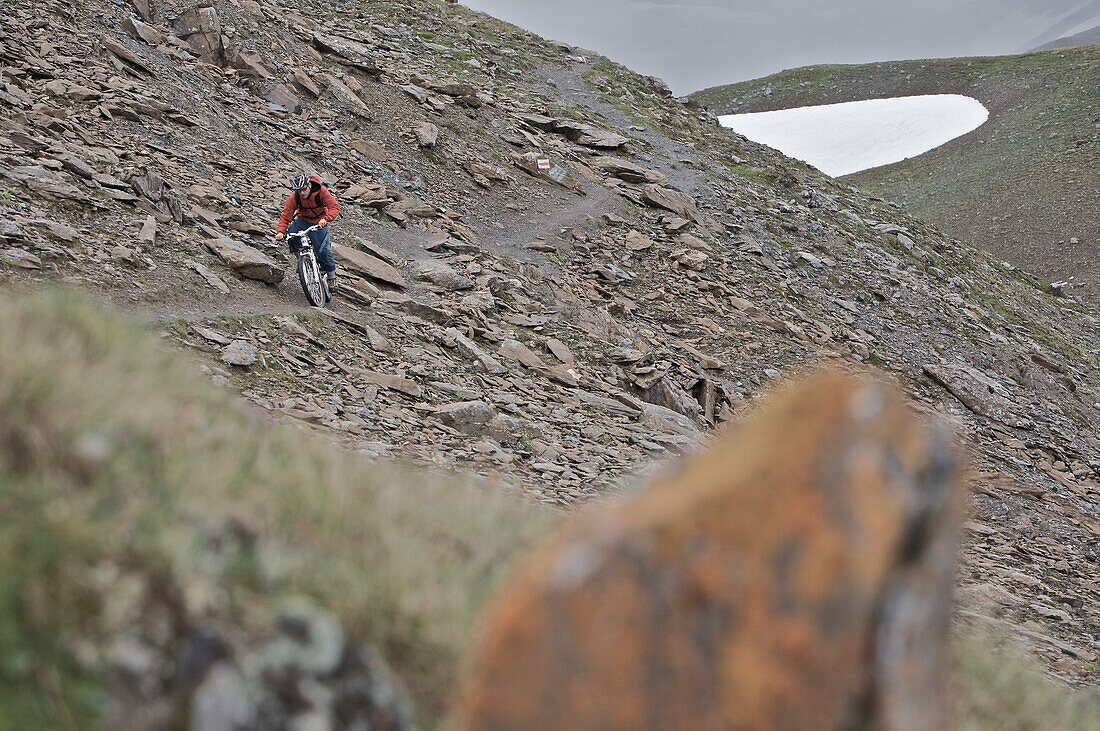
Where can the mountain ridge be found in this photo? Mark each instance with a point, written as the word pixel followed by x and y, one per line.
pixel 1089 37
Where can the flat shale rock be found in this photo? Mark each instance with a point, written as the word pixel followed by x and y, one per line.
pixel 142 31
pixel 368 265
pixel 248 262
pixel 125 54
pixel 589 136
pixel 469 349
pixel 517 351
pixel 980 393
pixel 631 172
pixel 370 149
pixel 44 181
pixel 665 420
pixel 351 53
pixel 673 200
pixel 798 575
pixel 280 96
pixel 20 258
pixel 560 351
pixel 558 174
pixel 346 96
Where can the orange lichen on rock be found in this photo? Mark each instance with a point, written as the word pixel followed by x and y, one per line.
pixel 797 575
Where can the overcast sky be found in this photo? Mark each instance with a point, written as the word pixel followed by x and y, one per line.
pixel 693 44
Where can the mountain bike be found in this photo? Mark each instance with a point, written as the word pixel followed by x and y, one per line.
pixel 309 273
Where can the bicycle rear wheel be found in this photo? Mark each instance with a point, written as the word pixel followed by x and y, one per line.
pixel 310 277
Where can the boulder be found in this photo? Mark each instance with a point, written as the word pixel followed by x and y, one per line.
pixel 505 428
pixel 466 416
pixel 797 571
pixel 240 353
pixel 202 29
pixel 427 134
pixel 148 233
pixel 248 262
pixel 249 63
pixel 441 275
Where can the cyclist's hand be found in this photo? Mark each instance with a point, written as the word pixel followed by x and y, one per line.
pixel 323 222
pixel 279 236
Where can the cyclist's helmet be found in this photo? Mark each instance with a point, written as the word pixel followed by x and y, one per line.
pixel 299 181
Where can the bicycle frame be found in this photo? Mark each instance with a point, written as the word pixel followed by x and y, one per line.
pixel 309 273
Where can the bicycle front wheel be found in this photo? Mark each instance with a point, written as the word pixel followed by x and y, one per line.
pixel 310 277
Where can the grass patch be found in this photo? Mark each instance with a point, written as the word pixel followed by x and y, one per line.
pixel 116 457
pixel 999 686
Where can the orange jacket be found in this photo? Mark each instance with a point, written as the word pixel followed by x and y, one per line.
pixel 311 207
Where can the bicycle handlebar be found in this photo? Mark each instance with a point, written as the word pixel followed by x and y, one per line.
pixel 303 232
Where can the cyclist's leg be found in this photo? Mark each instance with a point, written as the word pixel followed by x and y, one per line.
pixel 295 226
pixel 323 248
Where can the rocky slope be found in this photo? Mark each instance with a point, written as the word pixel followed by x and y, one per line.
pixel 556 331
pixel 1024 186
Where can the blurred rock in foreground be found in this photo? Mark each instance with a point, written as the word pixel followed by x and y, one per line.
pixel 796 576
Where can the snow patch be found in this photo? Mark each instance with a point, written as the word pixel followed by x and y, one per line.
pixel 840 139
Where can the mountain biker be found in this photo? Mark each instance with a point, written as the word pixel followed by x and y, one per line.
pixel 310 204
